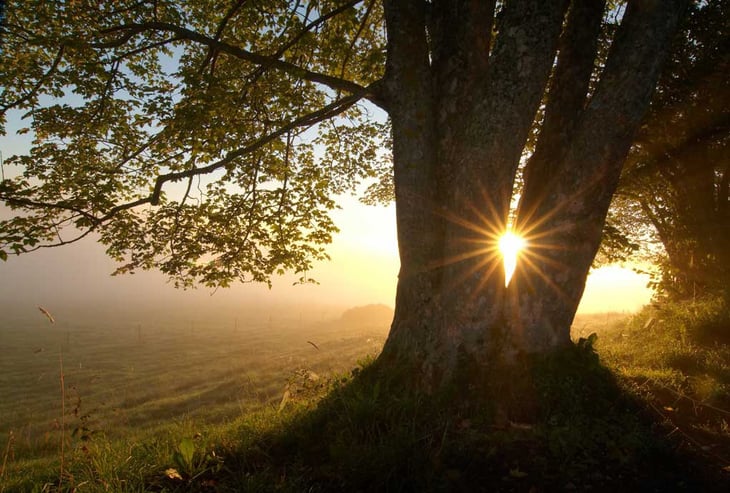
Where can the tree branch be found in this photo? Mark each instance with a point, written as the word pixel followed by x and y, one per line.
pixel 566 98
pixel 141 49
pixel 34 204
pixel 356 37
pixel 324 113
pixel 219 31
pixel 314 24
pixel 61 242
pixel 335 83
pixel 38 84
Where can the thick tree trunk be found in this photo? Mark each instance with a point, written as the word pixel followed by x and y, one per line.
pixel 480 159
pixel 568 211
pixel 461 117
pixel 410 98
pixel 454 175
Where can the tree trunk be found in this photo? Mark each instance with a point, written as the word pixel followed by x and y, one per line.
pixel 571 207
pixel 461 116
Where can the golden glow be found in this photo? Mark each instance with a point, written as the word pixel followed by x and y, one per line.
pixel 510 245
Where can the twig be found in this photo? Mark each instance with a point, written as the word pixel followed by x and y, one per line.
pixel 63 416
pixel 8 448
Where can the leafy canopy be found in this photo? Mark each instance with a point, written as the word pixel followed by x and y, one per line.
pixel 672 205
pixel 202 138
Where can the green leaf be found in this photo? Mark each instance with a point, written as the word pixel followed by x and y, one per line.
pixel 187 450
pixel 111 113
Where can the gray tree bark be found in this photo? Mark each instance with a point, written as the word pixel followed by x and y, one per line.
pixel 462 105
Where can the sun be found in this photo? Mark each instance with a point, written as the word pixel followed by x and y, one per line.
pixel 510 245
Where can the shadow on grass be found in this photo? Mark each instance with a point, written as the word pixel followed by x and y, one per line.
pixel 561 424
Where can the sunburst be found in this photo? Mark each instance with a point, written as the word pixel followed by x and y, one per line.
pixel 511 245
pixel 494 243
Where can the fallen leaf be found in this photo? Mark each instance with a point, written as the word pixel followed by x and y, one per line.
pixel 173 474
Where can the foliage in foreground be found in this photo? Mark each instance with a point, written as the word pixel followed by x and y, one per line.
pixel 357 434
pixel 676 358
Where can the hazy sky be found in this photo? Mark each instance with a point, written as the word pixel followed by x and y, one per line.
pixel 363 270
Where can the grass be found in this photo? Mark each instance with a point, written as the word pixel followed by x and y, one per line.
pixel 675 358
pixel 679 347
pixel 126 385
pixel 363 436
pixel 642 407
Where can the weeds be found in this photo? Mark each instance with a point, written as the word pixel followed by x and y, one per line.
pixel 674 358
pixel 192 462
pixel 63 418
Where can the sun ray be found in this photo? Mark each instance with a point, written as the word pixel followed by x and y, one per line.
pixel 534 270
pixel 460 257
pixel 490 242
pixel 491 261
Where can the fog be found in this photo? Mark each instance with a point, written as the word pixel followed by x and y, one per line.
pixel 75 282
pixel 75 279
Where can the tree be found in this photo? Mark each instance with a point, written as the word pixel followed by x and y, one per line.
pixel 224 100
pixel 677 176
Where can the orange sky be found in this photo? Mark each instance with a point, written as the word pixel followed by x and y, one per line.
pixel 363 270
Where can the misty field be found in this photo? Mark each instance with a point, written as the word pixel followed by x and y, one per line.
pixel 193 406
pixel 132 380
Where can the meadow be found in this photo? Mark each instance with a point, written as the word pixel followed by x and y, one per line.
pixel 640 402
pixel 132 380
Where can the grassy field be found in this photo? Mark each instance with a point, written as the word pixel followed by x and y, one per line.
pixel 128 382
pixel 275 407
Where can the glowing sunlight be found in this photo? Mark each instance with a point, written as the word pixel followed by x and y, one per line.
pixel 510 245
